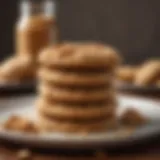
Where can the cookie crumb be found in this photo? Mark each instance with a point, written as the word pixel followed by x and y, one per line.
pixel 101 155
pixel 131 117
pixel 17 123
pixel 24 154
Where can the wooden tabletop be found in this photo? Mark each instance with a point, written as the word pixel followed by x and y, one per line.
pixel 14 154
pixel 146 150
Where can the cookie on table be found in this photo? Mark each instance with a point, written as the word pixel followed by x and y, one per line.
pixel 78 95
pixel 51 124
pixel 85 55
pixel 73 78
pixel 68 111
pixel 148 73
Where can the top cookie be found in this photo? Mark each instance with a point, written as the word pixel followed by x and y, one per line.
pixel 80 55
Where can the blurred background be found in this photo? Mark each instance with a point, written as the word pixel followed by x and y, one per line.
pixel 131 26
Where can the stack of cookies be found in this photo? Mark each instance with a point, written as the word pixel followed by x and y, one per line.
pixel 76 92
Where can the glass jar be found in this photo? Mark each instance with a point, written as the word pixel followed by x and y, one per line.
pixel 36 26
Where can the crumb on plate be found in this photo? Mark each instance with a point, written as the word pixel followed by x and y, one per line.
pixel 17 123
pixel 132 117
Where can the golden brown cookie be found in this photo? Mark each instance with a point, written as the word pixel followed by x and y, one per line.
pixel 126 73
pixel 67 111
pixel 17 69
pixel 63 94
pixel 73 78
pixel 149 72
pixel 68 126
pixel 80 55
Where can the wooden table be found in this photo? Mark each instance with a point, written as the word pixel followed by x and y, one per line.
pixel 146 150
pixel 10 153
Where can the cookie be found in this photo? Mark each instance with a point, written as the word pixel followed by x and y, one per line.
pixel 85 55
pixel 17 69
pixel 66 111
pixel 73 78
pixel 149 72
pixel 126 73
pixel 61 94
pixel 93 126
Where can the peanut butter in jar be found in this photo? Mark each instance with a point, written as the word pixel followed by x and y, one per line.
pixel 36 27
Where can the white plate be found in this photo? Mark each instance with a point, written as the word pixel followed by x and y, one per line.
pixel 25 106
